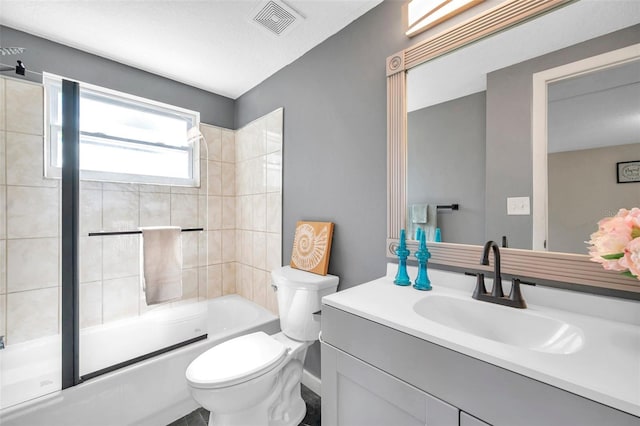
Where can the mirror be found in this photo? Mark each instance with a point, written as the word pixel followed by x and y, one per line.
pixel 484 162
pixel 469 133
pixel 593 125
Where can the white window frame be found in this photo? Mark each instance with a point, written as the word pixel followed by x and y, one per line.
pixel 53 83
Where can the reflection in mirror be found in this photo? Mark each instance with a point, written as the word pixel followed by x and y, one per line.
pixel 446 164
pixel 593 123
pixel 470 123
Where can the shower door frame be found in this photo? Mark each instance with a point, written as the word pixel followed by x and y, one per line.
pixel 70 315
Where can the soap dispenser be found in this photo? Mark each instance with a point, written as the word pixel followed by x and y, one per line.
pixel 402 278
pixel 423 255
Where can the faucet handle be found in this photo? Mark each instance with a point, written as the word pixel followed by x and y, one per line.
pixel 515 295
pixel 480 288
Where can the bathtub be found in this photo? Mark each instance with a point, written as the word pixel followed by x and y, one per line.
pixel 152 392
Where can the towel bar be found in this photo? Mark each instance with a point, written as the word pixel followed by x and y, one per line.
pixel 451 206
pixel 103 233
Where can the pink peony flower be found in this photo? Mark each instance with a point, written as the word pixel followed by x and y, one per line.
pixel 611 238
pixel 632 218
pixel 631 259
pixel 616 244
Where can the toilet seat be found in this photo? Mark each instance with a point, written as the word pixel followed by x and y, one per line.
pixel 236 361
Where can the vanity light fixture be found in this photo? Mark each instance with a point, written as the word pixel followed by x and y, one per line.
pixel 425 14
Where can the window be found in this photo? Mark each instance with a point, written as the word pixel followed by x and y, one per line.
pixel 124 138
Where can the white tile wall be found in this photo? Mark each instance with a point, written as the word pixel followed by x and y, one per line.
pixel 228 146
pixel 32 212
pixel 3 315
pixel 259 210
pixel 90 210
pixel 190 242
pixel 32 264
pixel 259 286
pixel 32 314
pixel 189 283
pixel 215 247
pixel 3 211
pixel 213 138
pixel 3 268
pixel 3 179
pixel 26 112
pixel 215 178
pixel 203 279
pixel 258 183
pixel 121 256
pixel 214 283
pixel 120 209
pixel 274 212
pixel 120 298
pixel 184 210
pixel 215 212
pixel 90 304
pixel 274 131
pixel 155 209
pixel 25 164
pixel 2 105
pixel 229 278
pixel 228 245
pixel 228 213
pixel 90 262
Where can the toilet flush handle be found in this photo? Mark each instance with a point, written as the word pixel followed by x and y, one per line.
pixel 274 287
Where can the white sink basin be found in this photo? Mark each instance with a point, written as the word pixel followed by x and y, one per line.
pixel 516 327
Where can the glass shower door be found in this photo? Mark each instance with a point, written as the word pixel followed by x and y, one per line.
pixel 30 343
pixel 119 324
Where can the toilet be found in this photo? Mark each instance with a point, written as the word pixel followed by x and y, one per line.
pixel 254 380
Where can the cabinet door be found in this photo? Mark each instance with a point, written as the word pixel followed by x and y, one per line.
pixel 467 420
pixel 356 394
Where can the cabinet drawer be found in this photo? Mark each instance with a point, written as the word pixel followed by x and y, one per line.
pixel 362 395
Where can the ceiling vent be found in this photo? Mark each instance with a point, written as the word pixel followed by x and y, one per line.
pixel 276 17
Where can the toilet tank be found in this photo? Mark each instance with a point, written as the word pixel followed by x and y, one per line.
pixel 299 294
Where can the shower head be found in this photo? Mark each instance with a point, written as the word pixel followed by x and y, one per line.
pixel 194 134
pixel 20 68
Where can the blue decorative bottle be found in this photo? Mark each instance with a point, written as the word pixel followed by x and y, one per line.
pixel 402 278
pixel 423 255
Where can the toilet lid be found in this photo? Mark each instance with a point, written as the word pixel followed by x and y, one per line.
pixel 236 361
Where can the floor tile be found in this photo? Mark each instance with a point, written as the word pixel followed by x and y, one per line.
pixel 200 417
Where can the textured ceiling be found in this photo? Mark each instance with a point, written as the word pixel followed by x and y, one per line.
pixel 210 44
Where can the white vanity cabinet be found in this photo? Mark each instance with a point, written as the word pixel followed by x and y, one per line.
pixel 374 374
pixel 356 394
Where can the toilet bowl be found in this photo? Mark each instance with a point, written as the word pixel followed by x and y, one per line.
pixel 254 380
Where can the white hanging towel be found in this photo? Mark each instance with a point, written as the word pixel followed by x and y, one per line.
pixel 161 262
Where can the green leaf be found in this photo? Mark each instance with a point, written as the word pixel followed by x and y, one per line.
pixel 615 256
pixel 635 232
pixel 628 274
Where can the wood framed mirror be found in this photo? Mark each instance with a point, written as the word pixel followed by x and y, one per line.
pixel 570 270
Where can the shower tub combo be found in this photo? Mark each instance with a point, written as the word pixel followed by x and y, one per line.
pixel 151 392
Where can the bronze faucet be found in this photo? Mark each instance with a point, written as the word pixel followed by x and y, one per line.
pixel 514 299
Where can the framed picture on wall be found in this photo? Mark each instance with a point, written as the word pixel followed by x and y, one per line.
pixel 628 171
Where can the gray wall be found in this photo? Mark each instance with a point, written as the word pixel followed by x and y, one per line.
pixel 451 133
pixel 583 189
pixel 44 55
pixel 509 161
pixel 334 148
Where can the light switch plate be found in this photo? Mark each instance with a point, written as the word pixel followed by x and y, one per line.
pixel 518 206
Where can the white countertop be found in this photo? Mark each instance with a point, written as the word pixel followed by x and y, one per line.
pixel 606 369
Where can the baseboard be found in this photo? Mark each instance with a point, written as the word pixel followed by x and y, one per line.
pixel 312 382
